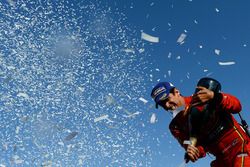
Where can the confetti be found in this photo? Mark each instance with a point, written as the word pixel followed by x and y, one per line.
pixel 149 38
pixel 143 100
pixel 129 51
pixel 226 63
pixel 217 51
pixel 133 114
pixel 169 73
pixel 103 117
pixel 181 38
pixel 24 95
pixel 153 118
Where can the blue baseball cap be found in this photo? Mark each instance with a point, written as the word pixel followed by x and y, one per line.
pixel 161 91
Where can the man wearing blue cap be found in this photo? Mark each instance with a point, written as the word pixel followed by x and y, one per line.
pixel 219 133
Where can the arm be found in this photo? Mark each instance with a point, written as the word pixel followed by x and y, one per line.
pixel 193 153
pixel 224 101
pixel 227 102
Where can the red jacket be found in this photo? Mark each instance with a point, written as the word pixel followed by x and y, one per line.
pixel 230 139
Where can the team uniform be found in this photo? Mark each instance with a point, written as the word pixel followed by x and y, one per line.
pixel 218 132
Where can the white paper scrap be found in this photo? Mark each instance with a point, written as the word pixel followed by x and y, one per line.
pixel 133 114
pixel 169 55
pixel 141 50
pixel 169 72
pixel 149 38
pixel 24 95
pixel 101 118
pixel 17 129
pixel 153 118
pixel 143 100
pixel 181 38
pixel 217 51
pixel 127 50
pixel 217 10
pixel 227 63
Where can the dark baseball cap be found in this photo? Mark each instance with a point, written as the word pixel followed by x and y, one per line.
pixel 161 91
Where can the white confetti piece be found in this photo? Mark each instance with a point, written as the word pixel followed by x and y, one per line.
pixel 181 38
pixel 143 100
pixel 133 114
pixel 217 51
pixel 60 143
pixel 17 129
pixel 153 118
pixel 81 89
pixel 169 73
pixel 129 50
pixel 103 117
pixel 169 55
pixel 109 100
pixel 141 50
pixel 217 10
pixel 24 95
pixel 226 63
pixel 149 38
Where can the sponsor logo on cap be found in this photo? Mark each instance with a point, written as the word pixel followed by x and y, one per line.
pixel 163 97
pixel 158 91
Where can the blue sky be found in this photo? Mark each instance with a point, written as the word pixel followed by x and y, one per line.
pixel 76 76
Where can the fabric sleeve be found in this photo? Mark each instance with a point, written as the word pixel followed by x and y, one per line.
pixel 202 151
pixel 227 102
pixel 181 138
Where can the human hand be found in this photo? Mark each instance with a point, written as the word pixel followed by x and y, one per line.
pixel 192 153
pixel 202 96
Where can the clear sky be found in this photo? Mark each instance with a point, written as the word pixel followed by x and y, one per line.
pixel 76 76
